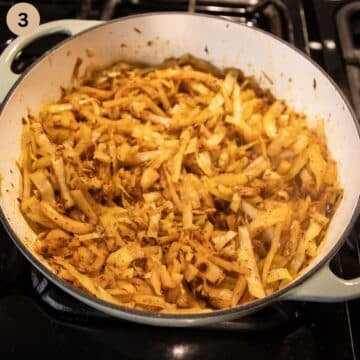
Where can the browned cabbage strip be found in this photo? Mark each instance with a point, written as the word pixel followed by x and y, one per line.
pixel 239 290
pixel 44 186
pixel 275 243
pixel 65 222
pixel 246 257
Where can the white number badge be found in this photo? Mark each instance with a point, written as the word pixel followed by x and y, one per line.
pixel 22 18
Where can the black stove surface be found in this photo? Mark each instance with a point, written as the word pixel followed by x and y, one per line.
pixel 36 316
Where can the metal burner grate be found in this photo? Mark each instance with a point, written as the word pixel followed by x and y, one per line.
pixel 348 25
pixel 270 15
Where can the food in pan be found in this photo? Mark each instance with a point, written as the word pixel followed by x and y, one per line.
pixel 177 188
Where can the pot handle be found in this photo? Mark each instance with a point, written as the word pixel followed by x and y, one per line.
pixel 71 27
pixel 325 286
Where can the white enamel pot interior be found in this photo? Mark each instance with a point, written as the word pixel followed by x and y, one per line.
pixel 150 39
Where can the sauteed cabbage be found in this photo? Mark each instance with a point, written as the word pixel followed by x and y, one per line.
pixel 177 188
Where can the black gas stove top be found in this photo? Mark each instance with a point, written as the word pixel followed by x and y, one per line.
pixel 36 316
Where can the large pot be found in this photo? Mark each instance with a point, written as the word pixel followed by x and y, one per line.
pixel 150 38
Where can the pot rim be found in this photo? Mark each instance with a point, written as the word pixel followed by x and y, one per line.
pixel 155 318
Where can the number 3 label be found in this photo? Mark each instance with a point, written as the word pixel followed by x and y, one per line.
pixel 22 18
